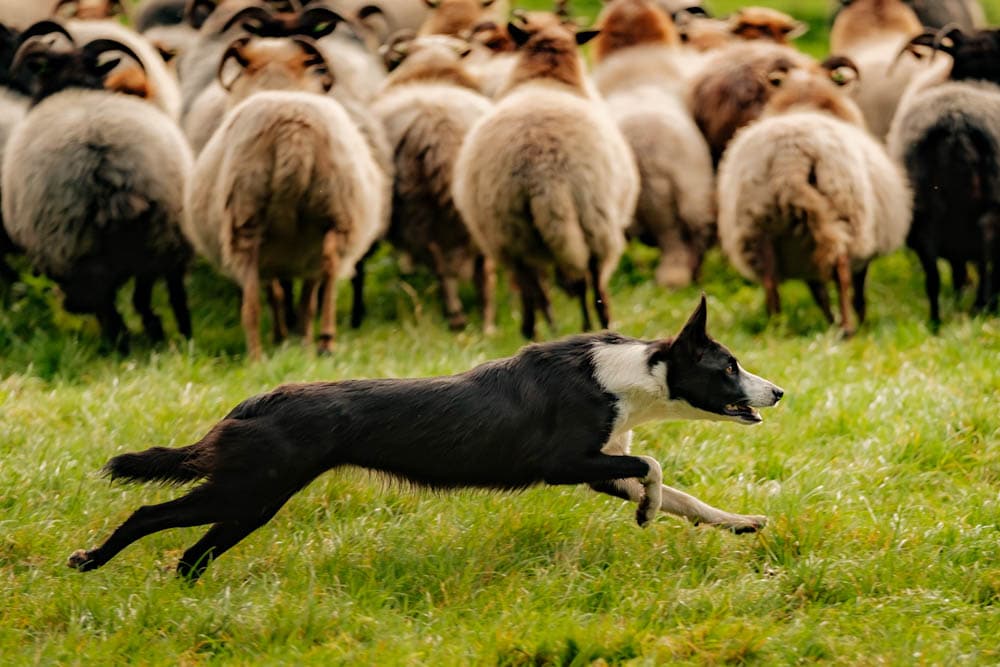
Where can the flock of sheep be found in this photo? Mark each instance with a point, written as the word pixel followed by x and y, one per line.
pixel 282 140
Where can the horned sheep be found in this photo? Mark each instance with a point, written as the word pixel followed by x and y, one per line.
pixel 428 105
pixel 287 187
pixel 546 180
pixel 636 74
pixel 947 133
pixel 806 192
pixel 93 185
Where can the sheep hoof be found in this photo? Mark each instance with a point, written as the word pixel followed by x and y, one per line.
pixel 325 346
pixel 456 322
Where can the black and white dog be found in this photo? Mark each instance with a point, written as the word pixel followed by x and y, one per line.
pixel 558 413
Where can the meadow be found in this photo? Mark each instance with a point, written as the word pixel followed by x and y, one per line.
pixel 880 472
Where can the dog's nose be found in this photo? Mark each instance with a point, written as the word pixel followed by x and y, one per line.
pixel 778 393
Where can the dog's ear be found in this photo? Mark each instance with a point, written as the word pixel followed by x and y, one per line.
pixel 695 332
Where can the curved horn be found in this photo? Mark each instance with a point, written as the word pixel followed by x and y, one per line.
pixel 265 16
pixel 96 47
pixel 26 50
pixel 315 58
pixel 46 27
pixel 951 31
pixel 320 21
pixel 233 52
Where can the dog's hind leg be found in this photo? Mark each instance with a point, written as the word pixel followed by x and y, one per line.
pixel 604 467
pixel 683 505
pixel 221 538
pixel 198 507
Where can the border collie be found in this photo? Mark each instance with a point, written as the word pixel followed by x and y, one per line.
pixel 558 413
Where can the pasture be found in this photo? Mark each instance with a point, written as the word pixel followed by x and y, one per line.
pixel 880 472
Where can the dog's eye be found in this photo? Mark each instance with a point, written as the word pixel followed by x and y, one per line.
pixel 731 368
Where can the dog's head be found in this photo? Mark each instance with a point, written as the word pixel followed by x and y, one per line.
pixel 706 376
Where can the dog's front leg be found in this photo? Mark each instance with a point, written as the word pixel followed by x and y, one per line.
pixel 683 505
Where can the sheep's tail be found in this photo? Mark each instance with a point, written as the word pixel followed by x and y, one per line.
pixel 800 195
pixel 554 215
pixel 165 464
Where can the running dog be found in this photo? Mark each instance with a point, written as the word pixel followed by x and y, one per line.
pixel 556 413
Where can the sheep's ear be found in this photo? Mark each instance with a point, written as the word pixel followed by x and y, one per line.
pixel 584 36
pixel 487 3
pixel 519 35
pixel 369 10
pixel 433 4
pixel 233 62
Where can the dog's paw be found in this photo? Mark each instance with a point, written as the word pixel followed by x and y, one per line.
pixel 81 560
pixel 746 524
pixel 645 513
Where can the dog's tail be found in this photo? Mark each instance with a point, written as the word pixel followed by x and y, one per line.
pixel 164 464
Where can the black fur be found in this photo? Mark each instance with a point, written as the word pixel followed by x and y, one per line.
pixel 538 417
pixel 956 212
pixel 541 416
pixel 155 13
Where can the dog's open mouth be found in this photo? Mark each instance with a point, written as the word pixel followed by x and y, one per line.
pixel 744 412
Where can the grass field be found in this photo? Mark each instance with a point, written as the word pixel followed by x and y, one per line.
pixel 880 472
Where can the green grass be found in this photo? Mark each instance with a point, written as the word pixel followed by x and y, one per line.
pixel 880 472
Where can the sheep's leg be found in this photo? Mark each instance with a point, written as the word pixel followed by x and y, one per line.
pixel 544 303
pixel 769 276
pixel 932 283
pixel 328 309
pixel 288 306
pixel 142 301
pixel 684 505
pixel 358 309
pixel 308 298
pixel 179 302
pixel 449 289
pixel 578 288
pixel 843 270
pixel 250 308
pixel 959 276
pixel 602 300
pixel 987 293
pixel 677 260
pixel 822 298
pixel 486 287
pixel 112 325
pixel 277 298
pixel 524 280
pixel 858 282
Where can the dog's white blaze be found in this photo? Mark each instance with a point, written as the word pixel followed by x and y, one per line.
pixel 623 370
pixel 759 390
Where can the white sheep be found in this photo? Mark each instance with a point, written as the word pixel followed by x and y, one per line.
pixel 806 192
pixel 428 105
pixel 93 186
pixel 546 180
pixel 287 187
pixel 638 77
pixel 871 33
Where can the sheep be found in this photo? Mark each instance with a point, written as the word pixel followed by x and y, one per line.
pixel 287 187
pixel 493 56
pixel 546 178
pixel 966 14
pixel 428 104
pixel 92 186
pixel 455 17
pixel 89 9
pixel 871 33
pixel 20 14
pixel 13 106
pixel 357 71
pixel 634 72
pixel 806 192
pixel 947 133
pixel 732 88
